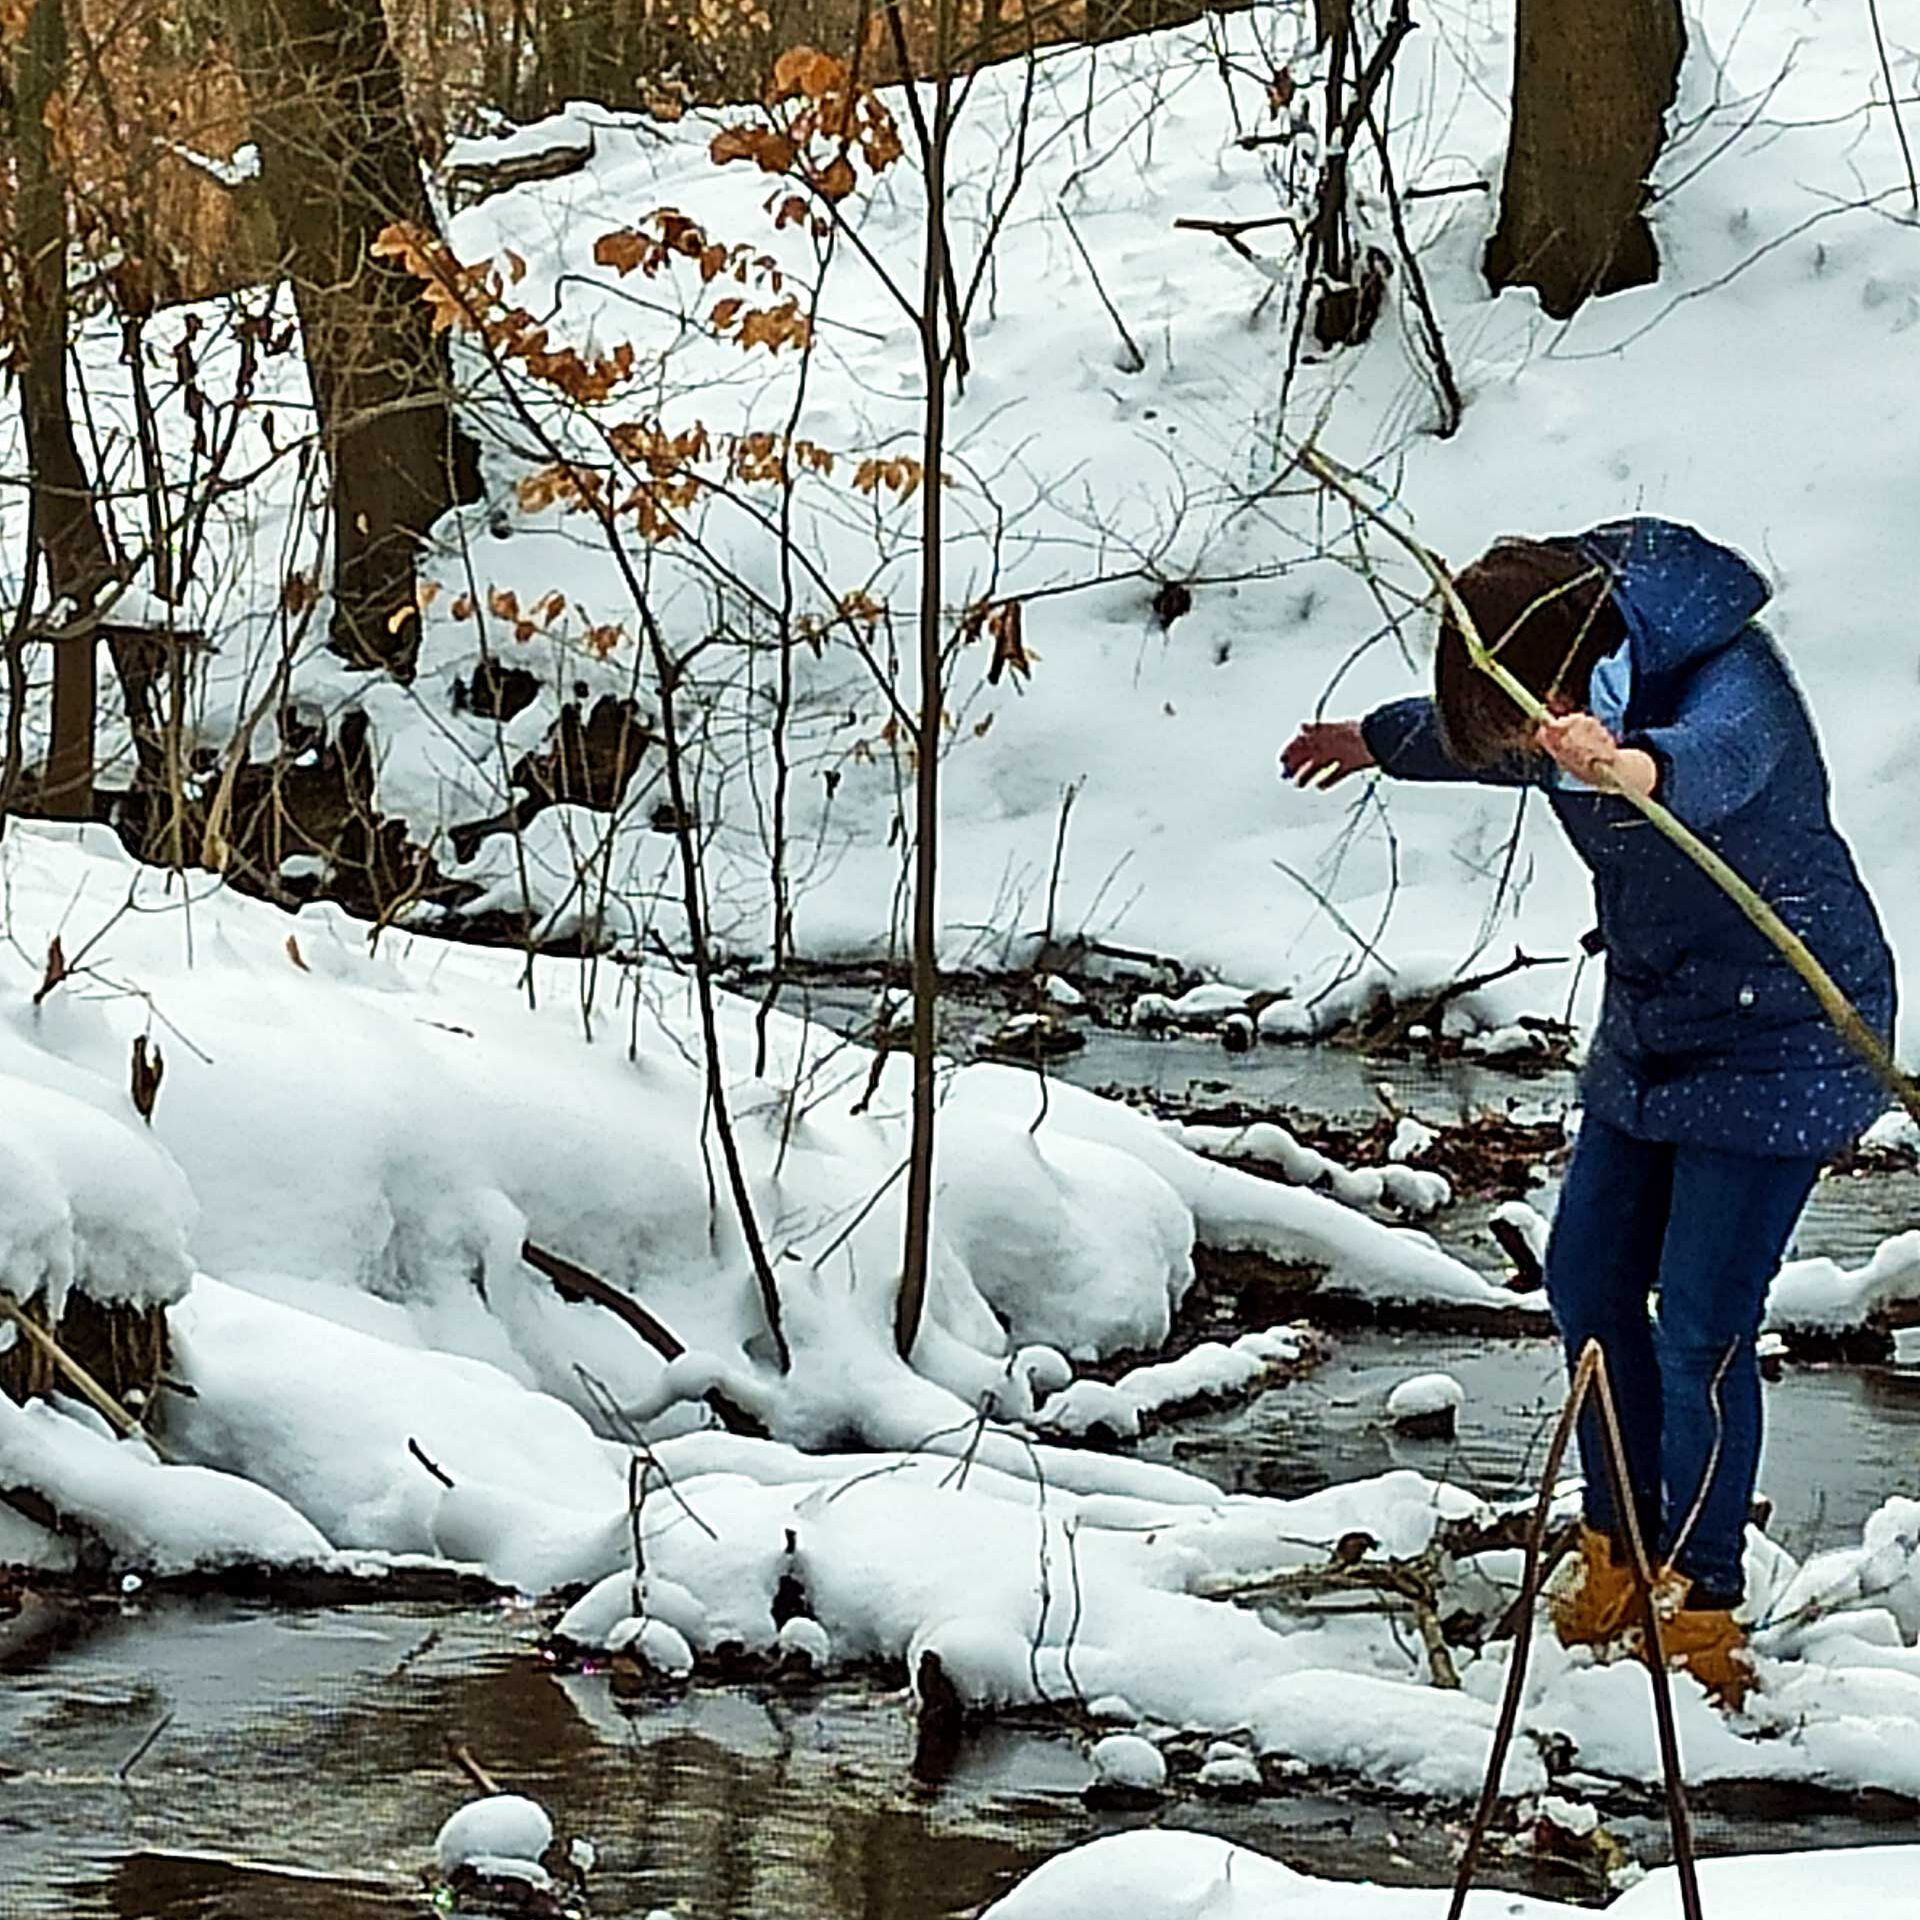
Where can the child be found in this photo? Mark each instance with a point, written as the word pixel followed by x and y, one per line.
pixel 1714 1086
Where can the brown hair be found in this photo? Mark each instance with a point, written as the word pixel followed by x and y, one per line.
pixel 1545 611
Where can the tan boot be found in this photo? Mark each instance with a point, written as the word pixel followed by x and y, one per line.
pixel 1590 1595
pixel 1712 1646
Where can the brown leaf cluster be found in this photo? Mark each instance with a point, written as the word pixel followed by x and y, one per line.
pixel 668 235
pixel 504 604
pixel 472 298
pixel 901 474
pixel 1004 623
pixel 819 115
pixel 662 474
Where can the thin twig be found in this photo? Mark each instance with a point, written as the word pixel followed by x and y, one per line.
pixel 1679 1818
pixel 432 1466
pixel 1893 104
pixel 1523 1637
pixel 1137 360
pixel 125 1769
pixel 617 1417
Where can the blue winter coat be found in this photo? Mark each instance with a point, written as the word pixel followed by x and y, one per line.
pixel 1706 1035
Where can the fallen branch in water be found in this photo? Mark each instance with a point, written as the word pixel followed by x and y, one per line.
pixel 1414 1013
pixel 462 1757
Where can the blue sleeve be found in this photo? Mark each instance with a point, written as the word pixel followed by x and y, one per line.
pixel 1404 739
pixel 1735 716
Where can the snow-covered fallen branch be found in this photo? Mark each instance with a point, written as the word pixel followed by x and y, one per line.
pixel 1395 1188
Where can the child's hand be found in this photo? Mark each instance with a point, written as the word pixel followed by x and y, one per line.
pixel 1580 744
pixel 1324 752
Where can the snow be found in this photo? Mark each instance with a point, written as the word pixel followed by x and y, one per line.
pixel 1424 1395
pixel 170 1519
pixel 1778 254
pixel 808 1640
pixel 569 130
pixel 1529 1223
pixel 1033 1590
pixel 1163 1875
pixel 1570 1816
pixel 1394 1188
pixel 656 1645
pixel 1229 1769
pixel 277 1388
pixel 1209 1371
pixel 1126 1761
pixel 1822 1295
pixel 499 1837
pixel 87 1199
pixel 239 171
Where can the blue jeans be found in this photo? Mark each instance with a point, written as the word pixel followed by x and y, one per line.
pixel 1704 1230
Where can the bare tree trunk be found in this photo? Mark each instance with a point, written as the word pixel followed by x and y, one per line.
pixel 937 318
pixel 1592 83
pixel 68 528
pixel 338 164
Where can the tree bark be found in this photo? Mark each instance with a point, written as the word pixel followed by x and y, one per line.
pixel 1592 83
pixel 67 526
pixel 338 164
pixel 940 348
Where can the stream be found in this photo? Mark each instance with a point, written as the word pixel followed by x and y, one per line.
pixel 167 1760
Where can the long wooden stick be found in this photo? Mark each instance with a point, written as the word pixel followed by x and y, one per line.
pixel 1509 1719
pixel 1589 1378
pixel 1679 1815
pixel 1841 1011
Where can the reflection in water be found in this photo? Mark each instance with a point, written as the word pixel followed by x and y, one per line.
pixel 316 1745
pixel 1840 1440
pixel 314 1757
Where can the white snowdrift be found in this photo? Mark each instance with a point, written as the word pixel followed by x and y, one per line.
pixel 1408 1191
pixel 1177 1876
pixel 1030 1590
pixel 370 1137
pixel 1821 1296
pixel 87 1199
pixel 1213 1370
pixel 166 1519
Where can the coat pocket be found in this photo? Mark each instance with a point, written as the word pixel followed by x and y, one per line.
pixel 1711 1005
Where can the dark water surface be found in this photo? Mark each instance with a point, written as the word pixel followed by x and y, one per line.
pixel 303 1776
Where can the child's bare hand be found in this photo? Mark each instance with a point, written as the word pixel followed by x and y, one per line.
pixel 1580 744
pixel 1324 752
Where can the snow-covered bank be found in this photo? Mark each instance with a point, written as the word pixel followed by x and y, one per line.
pixel 372 1135
pixel 352 1145
pixel 1775 211
pixel 1175 1876
pixel 353 1139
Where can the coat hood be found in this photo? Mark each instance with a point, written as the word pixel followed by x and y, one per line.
pixel 1681 595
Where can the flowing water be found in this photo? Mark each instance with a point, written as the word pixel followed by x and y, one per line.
pixel 175 1761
